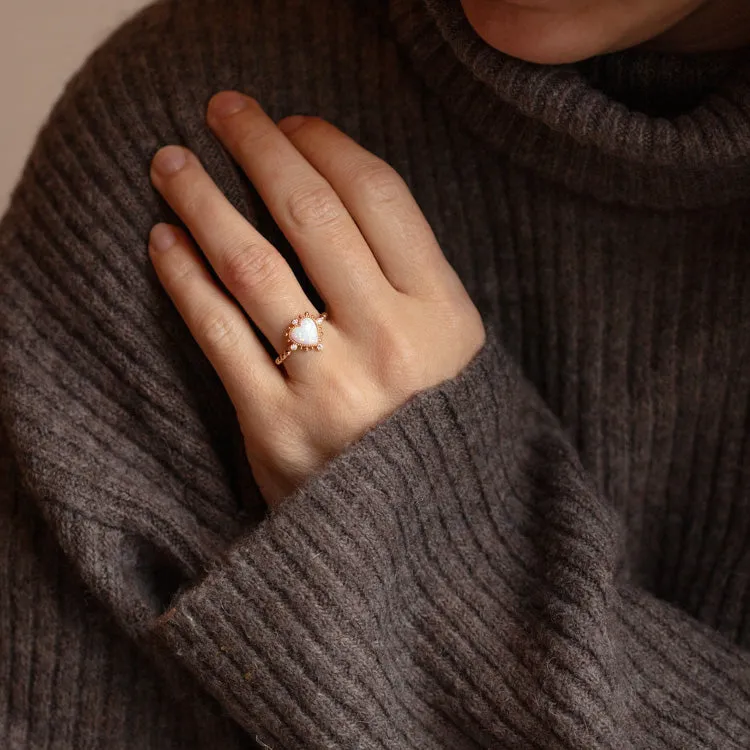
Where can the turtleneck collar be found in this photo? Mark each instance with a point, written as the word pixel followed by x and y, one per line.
pixel 637 127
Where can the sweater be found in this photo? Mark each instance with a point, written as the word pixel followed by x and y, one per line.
pixel 550 551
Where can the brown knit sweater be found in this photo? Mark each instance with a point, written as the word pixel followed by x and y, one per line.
pixel 551 551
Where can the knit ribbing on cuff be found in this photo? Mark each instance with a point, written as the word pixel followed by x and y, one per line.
pixel 391 602
pixel 690 688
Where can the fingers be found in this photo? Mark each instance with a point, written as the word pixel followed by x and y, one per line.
pixel 307 209
pixel 379 201
pixel 250 267
pixel 215 321
pixel 351 219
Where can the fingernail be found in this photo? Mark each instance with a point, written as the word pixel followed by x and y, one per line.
pixel 162 237
pixel 228 103
pixel 289 124
pixel 170 160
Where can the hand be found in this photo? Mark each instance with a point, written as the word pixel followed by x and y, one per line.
pixel 399 320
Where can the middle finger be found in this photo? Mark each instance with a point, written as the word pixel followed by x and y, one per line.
pixel 327 240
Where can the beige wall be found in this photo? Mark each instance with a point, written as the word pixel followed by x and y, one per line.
pixel 42 42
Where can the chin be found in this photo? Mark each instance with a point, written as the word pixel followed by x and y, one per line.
pixel 548 51
pixel 537 33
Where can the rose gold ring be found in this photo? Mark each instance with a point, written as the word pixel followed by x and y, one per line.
pixel 303 334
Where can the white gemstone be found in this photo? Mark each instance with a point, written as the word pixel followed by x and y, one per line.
pixel 293 347
pixel 306 333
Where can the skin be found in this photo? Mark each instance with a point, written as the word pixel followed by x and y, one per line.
pixel 563 31
pixel 349 216
pixel 363 242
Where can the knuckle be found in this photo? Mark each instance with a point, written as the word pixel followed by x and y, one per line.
pixel 313 207
pixel 379 182
pixel 399 346
pixel 218 330
pixel 190 199
pixel 248 133
pixel 183 272
pixel 191 202
pixel 195 199
pixel 347 399
pixel 402 354
pixel 251 268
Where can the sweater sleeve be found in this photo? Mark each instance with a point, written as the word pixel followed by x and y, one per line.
pixel 454 580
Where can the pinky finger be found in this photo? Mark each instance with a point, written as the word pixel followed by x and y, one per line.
pixel 217 324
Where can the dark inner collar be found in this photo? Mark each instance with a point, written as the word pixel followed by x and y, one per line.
pixel 635 127
pixel 657 84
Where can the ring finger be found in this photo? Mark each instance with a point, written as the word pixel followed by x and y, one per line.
pixel 217 324
pixel 252 269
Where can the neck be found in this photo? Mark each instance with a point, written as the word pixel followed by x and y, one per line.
pixel 716 25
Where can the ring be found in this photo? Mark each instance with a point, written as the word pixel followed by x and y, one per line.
pixel 303 334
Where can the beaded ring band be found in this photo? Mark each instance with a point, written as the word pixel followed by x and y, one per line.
pixel 303 334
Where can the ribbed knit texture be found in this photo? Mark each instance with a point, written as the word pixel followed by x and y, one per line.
pixel 551 551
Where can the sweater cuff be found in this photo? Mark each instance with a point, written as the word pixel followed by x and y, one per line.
pixel 305 630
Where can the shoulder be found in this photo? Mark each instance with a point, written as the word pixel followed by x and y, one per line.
pixel 79 219
pixel 157 71
pixel 87 336
pixel 149 83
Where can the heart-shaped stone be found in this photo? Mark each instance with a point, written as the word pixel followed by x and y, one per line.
pixel 306 333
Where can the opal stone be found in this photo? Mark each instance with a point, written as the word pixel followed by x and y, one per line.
pixel 306 333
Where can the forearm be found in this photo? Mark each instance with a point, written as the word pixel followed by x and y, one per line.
pixel 453 581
